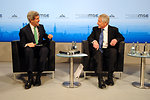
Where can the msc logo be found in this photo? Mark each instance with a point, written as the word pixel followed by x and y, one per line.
pixel 44 15
pixel 143 15
pixel 0 15
pixel 62 16
pixel 14 16
pixel 92 15
pixel 112 16
pixel 137 16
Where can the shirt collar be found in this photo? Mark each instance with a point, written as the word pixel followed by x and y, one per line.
pixel 106 28
pixel 32 27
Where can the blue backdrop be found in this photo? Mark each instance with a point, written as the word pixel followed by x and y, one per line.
pixel 73 20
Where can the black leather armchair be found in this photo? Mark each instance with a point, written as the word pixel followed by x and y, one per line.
pixel 89 66
pixel 19 63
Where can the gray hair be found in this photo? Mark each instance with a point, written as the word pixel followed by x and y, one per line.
pixel 105 18
pixel 31 15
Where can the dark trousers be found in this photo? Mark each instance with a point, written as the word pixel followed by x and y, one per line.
pixel 40 52
pixel 107 58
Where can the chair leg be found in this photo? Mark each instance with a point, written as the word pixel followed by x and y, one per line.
pixel 85 75
pixel 14 76
pixel 53 74
pixel 120 75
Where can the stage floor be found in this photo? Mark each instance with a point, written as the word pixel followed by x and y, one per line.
pixel 52 89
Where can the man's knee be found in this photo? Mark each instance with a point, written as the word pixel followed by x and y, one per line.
pixel 113 51
pixel 98 55
pixel 28 50
pixel 44 49
pixel 44 52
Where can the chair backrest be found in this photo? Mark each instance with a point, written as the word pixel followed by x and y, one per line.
pixel 90 66
pixel 18 59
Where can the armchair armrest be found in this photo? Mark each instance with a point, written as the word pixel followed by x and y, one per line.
pixel 85 49
pixel 120 58
pixel 52 55
pixel 15 55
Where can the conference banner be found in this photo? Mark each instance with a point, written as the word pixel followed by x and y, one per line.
pixel 72 20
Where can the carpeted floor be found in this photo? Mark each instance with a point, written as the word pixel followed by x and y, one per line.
pixel 52 89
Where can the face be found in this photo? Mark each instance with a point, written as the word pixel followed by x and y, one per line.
pixel 101 24
pixel 36 21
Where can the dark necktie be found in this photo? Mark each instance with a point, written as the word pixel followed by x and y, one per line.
pixel 101 41
pixel 35 36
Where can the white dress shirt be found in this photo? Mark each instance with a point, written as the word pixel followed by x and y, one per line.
pixel 32 28
pixel 105 37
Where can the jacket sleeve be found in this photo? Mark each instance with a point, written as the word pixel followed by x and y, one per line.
pixel 22 38
pixel 118 35
pixel 91 38
pixel 45 35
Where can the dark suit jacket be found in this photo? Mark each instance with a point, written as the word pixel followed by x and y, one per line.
pixel 26 35
pixel 113 33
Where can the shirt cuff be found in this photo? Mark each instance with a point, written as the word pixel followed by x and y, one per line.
pixel 26 45
pixel 93 41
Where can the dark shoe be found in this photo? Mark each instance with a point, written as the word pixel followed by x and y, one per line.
pixel 28 84
pixel 101 84
pixel 37 82
pixel 109 82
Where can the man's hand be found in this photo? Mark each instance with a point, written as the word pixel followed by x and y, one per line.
pixel 50 36
pixel 113 42
pixel 31 44
pixel 95 45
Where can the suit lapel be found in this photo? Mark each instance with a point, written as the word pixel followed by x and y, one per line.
pixel 30 33
pixel 39 30
pixel 98 33
pixel 109 33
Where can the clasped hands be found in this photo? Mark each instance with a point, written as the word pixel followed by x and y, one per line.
pixel 50 36
pixel 96 44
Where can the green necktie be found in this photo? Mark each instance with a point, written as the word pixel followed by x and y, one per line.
pixel 35 35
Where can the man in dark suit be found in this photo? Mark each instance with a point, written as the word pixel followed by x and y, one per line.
pixel 104 39
pixel 31 39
